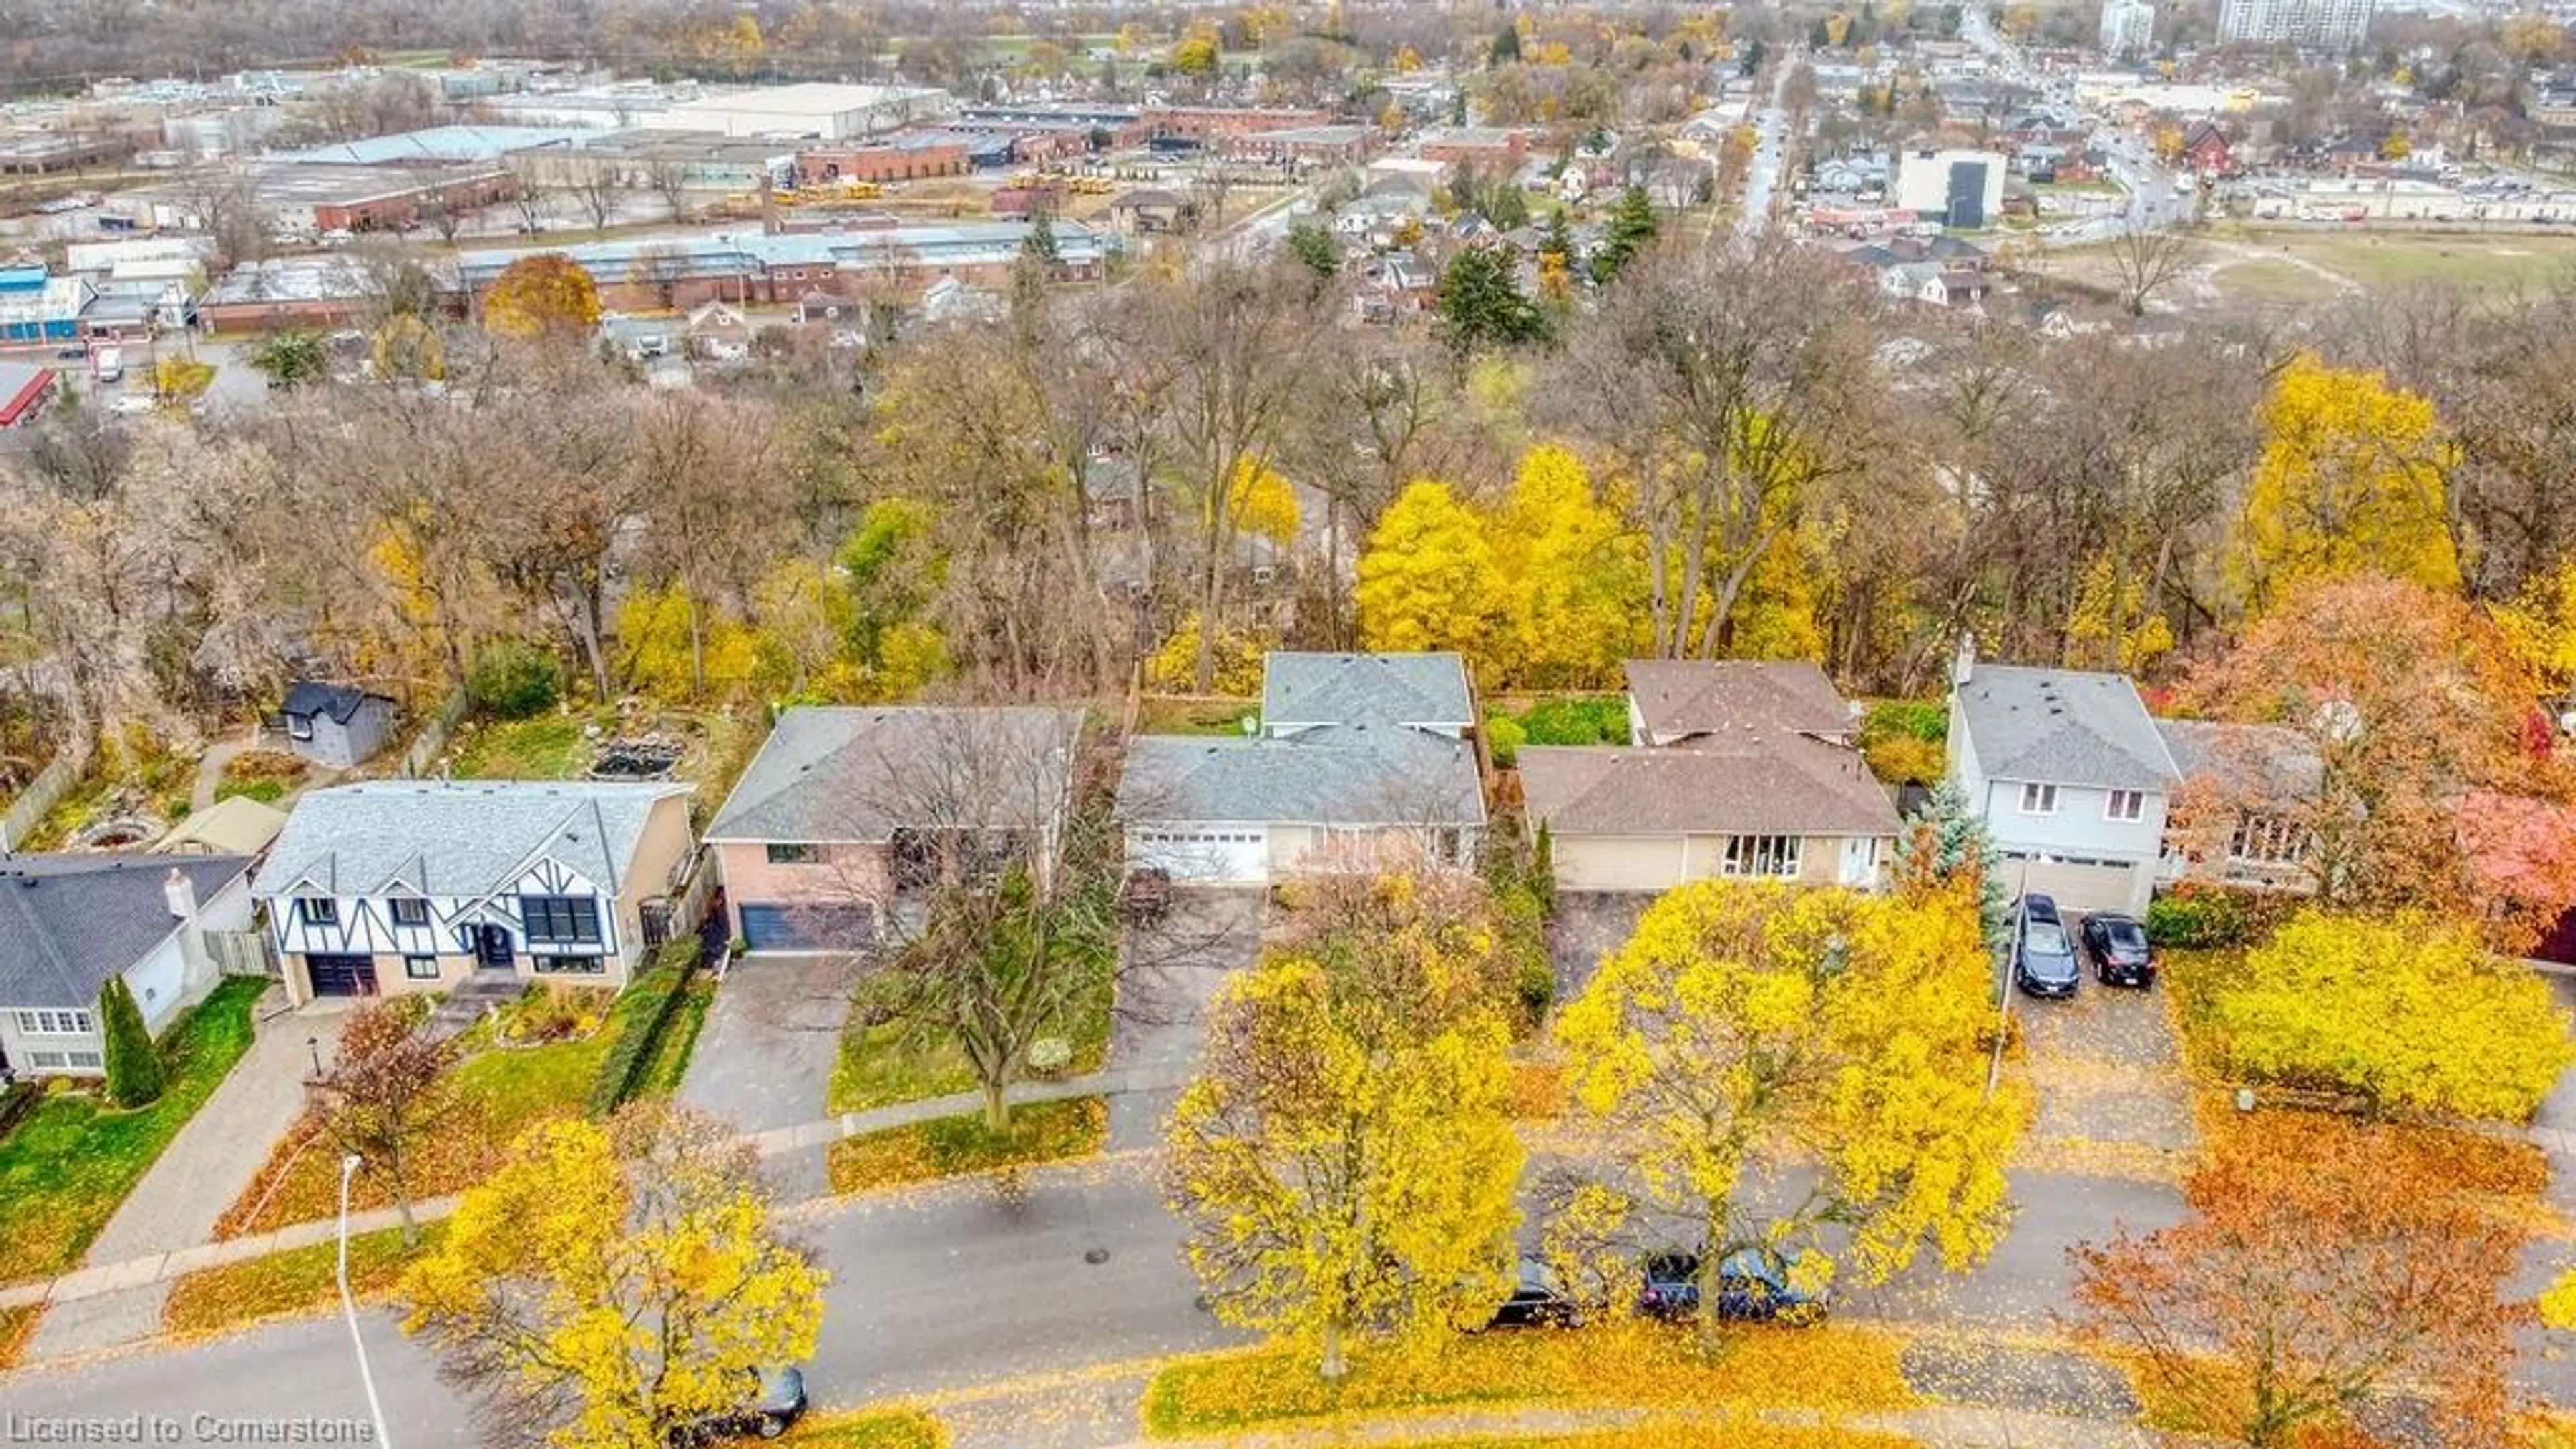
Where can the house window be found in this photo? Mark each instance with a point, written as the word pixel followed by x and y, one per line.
pixel 569 965
pixel 1762 855
pixel 318 910
pixel 56 1023
pixel 793 853
pixel 560 918
pixel 299 726
pixel 2038 799
pixel 421 968
pixel 410 911
pixel 2267 840
pixel 2125 805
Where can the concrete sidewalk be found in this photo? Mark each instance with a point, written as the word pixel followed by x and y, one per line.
pixel 206 1167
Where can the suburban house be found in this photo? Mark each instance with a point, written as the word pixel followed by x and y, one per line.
pixel 2071 776
pixel 2235 819
pixel 68 923
pixel 844 810
pixel 334 725
pixel 235 825
pixel 1737 768
pixel 1359 757
pixel 719 330
pixel 417 885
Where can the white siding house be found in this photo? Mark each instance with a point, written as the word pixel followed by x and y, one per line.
pixel 69 923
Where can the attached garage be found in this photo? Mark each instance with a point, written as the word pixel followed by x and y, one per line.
pixel 341 975
pixel 1212 855
pixel 1617 863
pixel 779 926
pixel 2079 886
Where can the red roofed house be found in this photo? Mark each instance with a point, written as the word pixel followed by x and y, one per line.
pixel 23 390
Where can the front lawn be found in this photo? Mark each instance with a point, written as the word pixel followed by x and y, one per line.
pixel 17 1327
pixel 885 1060
pixel 300 1280
pixel 949 1146
pixel 64 1171
pixel 1831 1369
pixel 872 1429
pixel 506 1090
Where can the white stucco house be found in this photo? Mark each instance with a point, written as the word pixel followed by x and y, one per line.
pixel 2071 776
pixel 70 923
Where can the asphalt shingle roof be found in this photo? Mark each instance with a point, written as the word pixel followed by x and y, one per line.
pixel 336 700
pixel 69 922
pixel 856 774
pixel 1679 697
pixel 2063 726
pixel 2251 762
pixel 1351 775
pixel 1767 784
pixel 1371 689
pixel 460 838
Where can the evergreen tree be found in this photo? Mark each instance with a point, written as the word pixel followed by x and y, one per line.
pixel 1458 106
pixel 1632 225
pixel 1315 246
pixel 1481 303
pixel 133 1064
pixel 1507 46
pixel 1946 841
pixel 1542 868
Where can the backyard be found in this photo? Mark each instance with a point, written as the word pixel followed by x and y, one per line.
pixel 64 1171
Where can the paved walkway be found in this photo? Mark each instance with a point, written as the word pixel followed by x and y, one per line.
pixel 203 1170
pixel 210 769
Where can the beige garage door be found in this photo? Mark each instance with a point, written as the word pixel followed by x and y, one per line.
pixel 1618 863
pixel 2078 886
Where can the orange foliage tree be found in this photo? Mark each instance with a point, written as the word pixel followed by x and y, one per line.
pixel 2321 1265
pixel 546 295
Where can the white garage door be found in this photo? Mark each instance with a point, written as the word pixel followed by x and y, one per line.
pixel 1218 856
pixel 2078 886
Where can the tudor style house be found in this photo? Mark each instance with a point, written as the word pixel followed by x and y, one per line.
pixel 845 810
pixel 410 885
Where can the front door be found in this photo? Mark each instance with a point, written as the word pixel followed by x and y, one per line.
pixel 492 947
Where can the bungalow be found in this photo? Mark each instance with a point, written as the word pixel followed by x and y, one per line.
pixel 719 330
pixel 847 810
pixel 70 923
pixel 1360 758
pixel 335 725
pixel 2236 816
pixel 413 885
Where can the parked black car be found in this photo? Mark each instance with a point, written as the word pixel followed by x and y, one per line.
pixel 1538 1300
pixel 2043 957
pixel 774 1401
pixel 1749 1289
pixel 2121 956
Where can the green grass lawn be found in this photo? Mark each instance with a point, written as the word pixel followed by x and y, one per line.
pixel 68 1166
pixel 2466 261
pixel 300 1280
pixel 872 1429
pixel 549 747
pixel 948 1146
pixel 2270 279
pixel 1170 716
pixel 892 1062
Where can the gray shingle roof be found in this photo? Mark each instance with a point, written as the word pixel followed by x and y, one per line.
pixel 2251 762
pixel 1371 689
pixel 339 701
pixel 856 774
pixel 461 838
pixel 1677 697
pixel 69 922
pixel 1341 775
pixel 1774 784
pixel 2063 726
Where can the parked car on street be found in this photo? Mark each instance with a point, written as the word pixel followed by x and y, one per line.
pixel 775 1401
pixel 2043 958
pixel 1750 1289
pixel 1538 1300
pixel 2121 955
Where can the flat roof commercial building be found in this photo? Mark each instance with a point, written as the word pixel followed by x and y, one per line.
pixel 822 110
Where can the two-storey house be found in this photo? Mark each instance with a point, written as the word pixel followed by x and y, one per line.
pixel 416 885
pixel 2071 776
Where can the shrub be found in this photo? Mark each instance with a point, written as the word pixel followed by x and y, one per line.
pixel 134 1076
pixel 651 1004
pixel 1542 870
pixel 1049 1055
pixel 1905 760
pixel 1505 736
pixel 1927 720
pixel 1522 920
pixel 1577 721
pixel 2215 918
pixel 514 680
pixel 556 1013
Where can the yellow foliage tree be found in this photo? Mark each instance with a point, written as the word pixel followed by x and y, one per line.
pixel 1197 51
pixel 1174 667
pixel 1775 614
pixel 1572 576
pixel 2110 627
pixel 1345 1162
pixel 658 637
pixel 2409 1013
pixel 2539 626
pixel 2396 147
pixel 2351 478
pixel 545 295
pixel 181 379
pixel 407 347
pixel 1262 503
pixel 1427 579
pixel 617 1284
pixel 1749 1024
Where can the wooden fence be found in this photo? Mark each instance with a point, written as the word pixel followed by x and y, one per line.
pixel 38 798
pixel 432 743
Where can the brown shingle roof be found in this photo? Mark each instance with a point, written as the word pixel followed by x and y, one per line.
pixel 1775 783
pixel 1677 697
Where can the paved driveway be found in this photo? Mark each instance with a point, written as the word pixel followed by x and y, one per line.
pixel 766 1056
pixel 1172 972
pixel 2108 1071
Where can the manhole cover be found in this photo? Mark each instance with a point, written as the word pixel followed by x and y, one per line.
pixel 1096 1256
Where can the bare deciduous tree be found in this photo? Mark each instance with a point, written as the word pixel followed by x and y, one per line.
pixel 2147 260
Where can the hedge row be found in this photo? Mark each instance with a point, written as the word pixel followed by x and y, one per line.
pixel 17 1100
pixel 643 1017
pixel 2214 918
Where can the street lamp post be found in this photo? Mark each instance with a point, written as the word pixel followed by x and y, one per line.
pixel 349 1305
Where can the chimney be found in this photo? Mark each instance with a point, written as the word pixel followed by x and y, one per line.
pixel 181 893
pixel 1964 663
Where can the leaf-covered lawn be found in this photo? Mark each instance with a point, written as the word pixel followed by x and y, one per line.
pixel 891 1062
pixel 300 1280
pixel 1833 1369
pixel 548 747
pixel 872 1429
pixel 17 1326
pixel 949 1146
pixel 70 1164
pixel 1734 1433
pixel 506 1091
